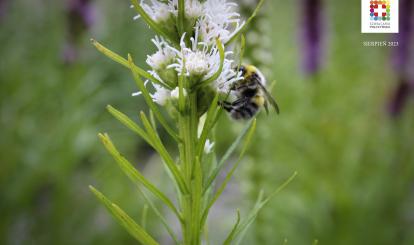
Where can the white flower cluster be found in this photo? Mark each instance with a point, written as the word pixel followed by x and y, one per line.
pixel 215 18
pixel 162 11
pixel 199 59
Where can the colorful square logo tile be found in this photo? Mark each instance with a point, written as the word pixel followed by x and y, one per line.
pixel 380 10
pixel 379 16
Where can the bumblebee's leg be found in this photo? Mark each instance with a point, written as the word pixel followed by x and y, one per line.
pixel 231 106
pixel 226 105
pixel 240 102
pixel 244 109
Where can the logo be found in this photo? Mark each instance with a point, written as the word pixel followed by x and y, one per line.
pixel 379 16
pixel 380 10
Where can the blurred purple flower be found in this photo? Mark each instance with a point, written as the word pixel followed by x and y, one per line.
pixel 400 97
pixel 312 35
pixel 401 59
pixel 81 16
pixel 3 8
pixel 402 52
pixel 81 10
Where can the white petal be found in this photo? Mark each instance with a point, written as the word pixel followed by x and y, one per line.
pixel 208 146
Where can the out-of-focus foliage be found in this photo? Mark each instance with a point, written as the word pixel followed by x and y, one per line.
pixel 355 163
pixel 51 113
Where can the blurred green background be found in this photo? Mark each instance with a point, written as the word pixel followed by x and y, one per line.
pixel 354 161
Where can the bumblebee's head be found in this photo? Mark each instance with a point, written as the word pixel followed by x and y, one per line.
pixel 247 70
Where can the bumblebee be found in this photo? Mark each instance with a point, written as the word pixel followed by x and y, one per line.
pixel 251 95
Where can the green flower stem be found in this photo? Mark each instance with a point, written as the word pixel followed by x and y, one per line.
pixel 180 17
pixel 192 203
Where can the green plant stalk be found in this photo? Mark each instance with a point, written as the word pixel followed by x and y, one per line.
pixel 191 203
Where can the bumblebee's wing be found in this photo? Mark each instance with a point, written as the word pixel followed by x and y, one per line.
pixel 266 106
pixel 269 98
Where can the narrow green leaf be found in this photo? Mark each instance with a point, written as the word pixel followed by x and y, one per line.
pixel 230 237
pixel 156 27
pixel 123 219
pixel 220 69
pixel 231 172
pixel 112 55
pixel 119 59
pixel 152 120
pixel 241 234
pixel 124 119
pixel 226 155
pixel 134 175
pixel 160 216
pixel 181 97
pixel 281 187
pixel 208 125
pixel 159 146
pixel 235 35
pixel 144 216
pixel 242 49
pixel 149 100
pixel 315 242
pixel 253 214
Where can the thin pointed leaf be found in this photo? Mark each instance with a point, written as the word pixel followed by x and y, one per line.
pixel 249 220
pixel 158 213
pixel 230 237
pixel 231 172
pixel 256 205
pixel 134 175
pixel 149 100
pixel 164 154
pixel 144 216
pixel 226 155
pixel 208 125
pixel 112 55
pixel 156 27
pixel 124 119
pixel 281 187
pixel 119 59
pixel 235 35
pixel 123 219
pixel 152 120
pixel 242 49
pixel 181 81
pixel 220 69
